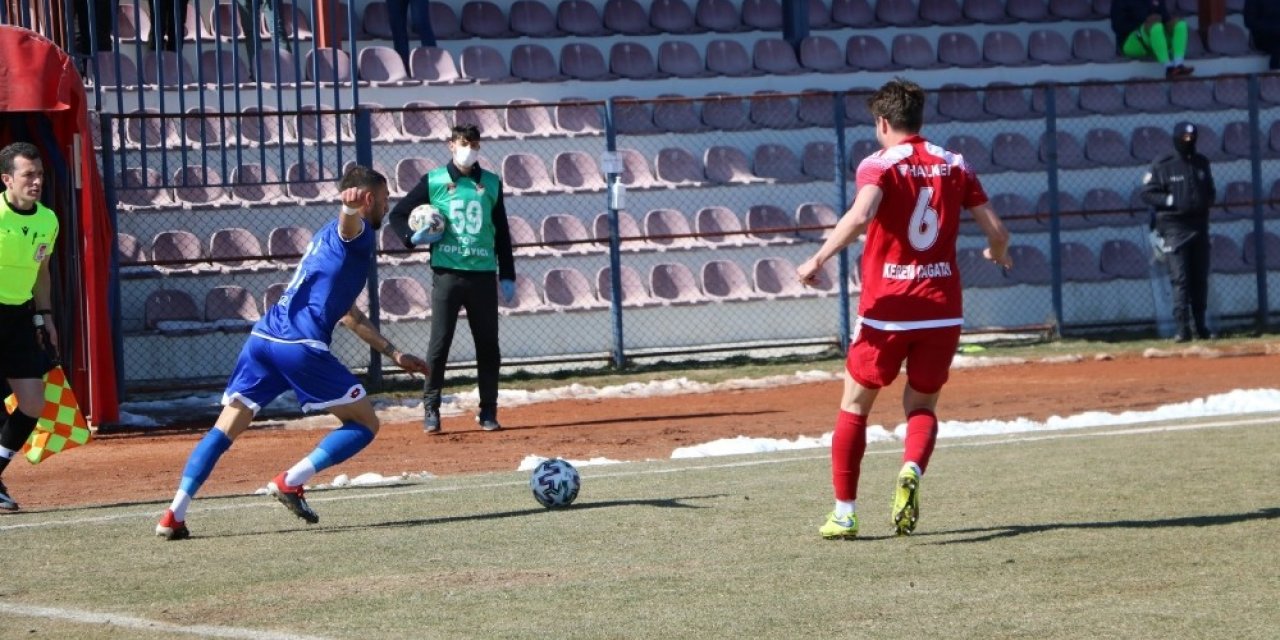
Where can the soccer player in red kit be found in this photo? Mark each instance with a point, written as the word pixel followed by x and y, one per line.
pixel 909 198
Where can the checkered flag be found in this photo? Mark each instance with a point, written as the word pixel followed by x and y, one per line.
pixel 61 425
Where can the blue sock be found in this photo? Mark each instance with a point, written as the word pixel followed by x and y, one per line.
pixel 202 460
pixel 340 444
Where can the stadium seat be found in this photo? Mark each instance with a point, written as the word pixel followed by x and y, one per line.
pixel 1003 48
pixel 674 283
pixel 296 24
pixel 1102 99
pixel 898 13
pixel 868 53
pixel 200 186
pixel 1225 256
pixel 1192 94
pixel 673 16
pixel 167 69
pixel 816 108
pixel 251 185
pixel 1070 213
pixel 1143 97
pixel 565 234
pixel 913 51
pixel 567 289
pixel 859 152
pixel 231 308
pixel 1231 92
pixel 1270 250
pixel 1123 260
pixel 1070 152
pixel 777 163
pixel 529 118
pixel 445 23
pixel 959 49
pixel 1046 46
pixel 1030 265
pixel 180 249
pixel 976 272
pixel 773 110
pixel 172 311
pixel 720 16
pixel 853 13
pixel 633 117
pixel 1148 143
pixel 525 173
pixel 669 229
pixel 633 60
pixel 676 114
pixel 629 235
pixel 224 69
pixel 224 22
pixel 1236 140
pixel 580 18
pixel 681 59
pixel 272 294
pixel 484 19
pixel 726 112
pixel 1104 207
pixel 776 278
pixel 1028 10
pixel 328 66
pixel 1066 102
pixel 131 22
pixel 818 160
pixel 532 19
pixel 576 171
pixel 960 102
pixel 425 122
pixel 384 126
pixel 1079 264
pixel 149 129
pixel 1006 102
pixel 819 16
pixel 764 15
pixel 107 76
pixel 528 298
pixel 1014 152
pixel 235 250
pixel 1228 39
pixel 1016 211
pixel 821 54
pixel 975 152
pixel 729 58
pixel 433 65
pixel 1078 10
pixel 725 280
pixel 138 188
pixel 626 17
pixel 279 67
pixel 1092 45
pixel 308 183
pixel 401 299
pixel 676 167
pixel 944 13
pixel 718 226
pixel 483 64
pixel 769 223
pixel 486 117
pixel 984 11
pixel 774 56
pixel 1236 201
pixel 1107 147
pixel 382 66
pixel 312 126
pixel 1208 142
pixel 583 61
pixel 728 165
pixel 287 244
pixel 814 220
pixel 634 292
pixel 129 249
pixel 573 118
pixel 524 239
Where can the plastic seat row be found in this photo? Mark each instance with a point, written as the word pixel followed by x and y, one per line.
pixel 229 250
pixel 219 21
pixel 248 184
pixel 226 308
pixel 223 68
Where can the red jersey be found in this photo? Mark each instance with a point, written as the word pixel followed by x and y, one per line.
pixel 909 274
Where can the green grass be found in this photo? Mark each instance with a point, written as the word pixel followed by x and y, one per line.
pixel 1102 533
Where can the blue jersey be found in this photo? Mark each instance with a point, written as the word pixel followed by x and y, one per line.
pixel 330 276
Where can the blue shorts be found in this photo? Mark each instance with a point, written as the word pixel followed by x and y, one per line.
pixel 267 369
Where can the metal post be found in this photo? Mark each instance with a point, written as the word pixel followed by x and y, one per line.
pixel 615 250
pixel 1255 168
pixel 106 124
pixel 1055 225
pixel 842 198
pixel 363 126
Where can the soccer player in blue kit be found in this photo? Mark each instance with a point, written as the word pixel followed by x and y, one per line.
pixel 289 349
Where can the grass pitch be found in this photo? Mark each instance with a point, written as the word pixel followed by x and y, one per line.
pixel 1130 532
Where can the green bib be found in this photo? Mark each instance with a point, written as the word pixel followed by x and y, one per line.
pixel 467 244
pixel 25 241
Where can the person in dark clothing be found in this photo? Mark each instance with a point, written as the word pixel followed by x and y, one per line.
pixel 420 12
pixel 1146 29
pixel 1262 18
pixel 1180 188
pixel 169 23
pixel 474 245
pixel 101 31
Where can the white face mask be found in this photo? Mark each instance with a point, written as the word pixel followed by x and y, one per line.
pixel 464 156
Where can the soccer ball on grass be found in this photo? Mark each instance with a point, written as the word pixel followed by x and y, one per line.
pixel 555 483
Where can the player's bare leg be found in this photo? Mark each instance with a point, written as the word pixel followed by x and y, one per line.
pixel 232 422
pixel 359 425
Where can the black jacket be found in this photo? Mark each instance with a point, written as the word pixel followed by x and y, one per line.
pixel 1190 181
pixel 1262 15
pixel 1128 15
pixel 421 194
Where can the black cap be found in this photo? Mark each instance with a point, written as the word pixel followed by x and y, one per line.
pixel 1184 130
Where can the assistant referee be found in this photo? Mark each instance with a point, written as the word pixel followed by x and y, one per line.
pixel 28 231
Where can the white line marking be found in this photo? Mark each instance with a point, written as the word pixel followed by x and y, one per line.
pixel 995 439
pixel 81 616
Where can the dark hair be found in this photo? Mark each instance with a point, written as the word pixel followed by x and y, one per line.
pixel 361 176
pixel 17 150
pixel 468 132
pixel 901 102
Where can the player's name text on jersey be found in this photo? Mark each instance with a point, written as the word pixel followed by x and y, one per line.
pixel 465 251
pixel 917 271
pixel 924 170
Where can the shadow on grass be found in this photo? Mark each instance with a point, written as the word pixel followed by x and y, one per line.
pixel 667 503
pixel 1010 531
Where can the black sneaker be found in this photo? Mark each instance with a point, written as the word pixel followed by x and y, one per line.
pixel 431 420
pixel 6 502
pixel 488 422
pixel 293 499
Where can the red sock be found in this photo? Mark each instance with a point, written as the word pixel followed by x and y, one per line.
pixel 922 433
pixel 848 443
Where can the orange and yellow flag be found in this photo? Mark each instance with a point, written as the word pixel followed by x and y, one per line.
pixel 61 424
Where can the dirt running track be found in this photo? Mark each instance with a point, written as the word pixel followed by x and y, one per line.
pixel 126 468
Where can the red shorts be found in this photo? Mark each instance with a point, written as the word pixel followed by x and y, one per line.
pixel 876 356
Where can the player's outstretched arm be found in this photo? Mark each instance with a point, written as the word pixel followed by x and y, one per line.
pixel 358 323
pixel 355 205
pixel 851 225
pixel 997 234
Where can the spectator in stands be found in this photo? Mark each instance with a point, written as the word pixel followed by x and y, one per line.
pixel 288 350
pixel 909 201
pixel 1145 29
pixel 28 232
pixel 101 31
pixel 474 245
pixel 270 9
pixel 1180 188
pixel 400 11
pixel 169 23
pixel 1262 17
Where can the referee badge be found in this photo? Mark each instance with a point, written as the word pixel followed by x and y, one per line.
pixel 42 251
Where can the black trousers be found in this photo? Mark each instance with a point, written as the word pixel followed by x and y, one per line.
pixel 1189 275
pixel 1268 41
pixel 452 291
